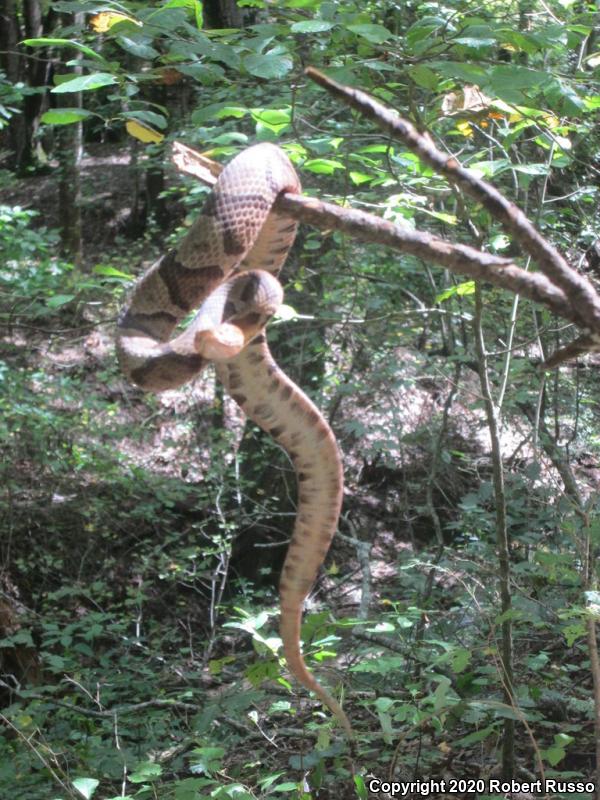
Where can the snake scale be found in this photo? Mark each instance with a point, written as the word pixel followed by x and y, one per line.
pixel 227 266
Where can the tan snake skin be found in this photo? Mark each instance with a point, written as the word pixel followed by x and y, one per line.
pixel 226 265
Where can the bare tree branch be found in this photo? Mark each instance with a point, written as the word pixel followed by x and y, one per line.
pixel 584 300
pixel 459 258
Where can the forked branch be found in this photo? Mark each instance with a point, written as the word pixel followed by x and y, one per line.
pixel 557 285
pixel 582 299
pixel 459 258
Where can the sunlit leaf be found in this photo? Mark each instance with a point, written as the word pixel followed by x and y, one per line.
pixel 86 786
pixel 312 26
pixel 465 288
pixel 64 116
pixel 85 83
pixel 46 42
pixel 143 132
pixel 323 166
pixel 104 21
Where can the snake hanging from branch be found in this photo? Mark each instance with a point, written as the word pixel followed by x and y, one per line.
pixel 227 266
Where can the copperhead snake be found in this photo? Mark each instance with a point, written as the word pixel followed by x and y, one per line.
pixel 227 264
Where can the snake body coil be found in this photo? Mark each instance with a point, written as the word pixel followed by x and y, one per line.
pixel 227 264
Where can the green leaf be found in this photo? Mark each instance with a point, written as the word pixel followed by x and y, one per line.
pixel 476 736
pixel 553 755
pixel 86 786
pixel 86 83
pixel 424 77
pixel 465 288
pixel 147 771
pixel 59 300
pixel 140 48
pixel 470 73
pixel 64 116
pixel 311 26
pixel 205 73
pixel 518 39
pixel 476 37
pixel 361 789
pixel 268 66
pixel 111 272
pixel 274 119
pixel 152 118
pixel 507 81
pixel 218 111
pixel 206 759
pixel 376 34
pixel 360 177
pixel 45 42
pixel 562 97
pixel 322 166
pixel 459 659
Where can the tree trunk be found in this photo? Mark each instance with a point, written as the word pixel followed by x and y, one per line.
pixel 70 143
pixel 37 70
pixel 12 64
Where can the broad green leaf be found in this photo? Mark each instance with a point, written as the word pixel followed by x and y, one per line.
pixel 311 26
pixel 207 74
pixel 476 736
pixel 476 36
pixel 379 66
pixel 218 111
pixel 421 31
pixel 470 73
pixel 376 34
pixel 424 77
pixel 553 755
pixel 459 659
pixel 275 117
pixel 465 288
pixel 147 771
pixel 268 66
pixel 86 786
pixel 64 116
pixel 360 177
pixel 521 41
pixel 59 300
pixel 206 759
pixel 86 83
pixel 46 42
pixel 169 19
pixel 187 789
pixel 562 97
pixel 474 43
pixel 531 169
pixel 512 76
pixel 490 168
pixel 141 48
pixel 322 166
pixel 151 117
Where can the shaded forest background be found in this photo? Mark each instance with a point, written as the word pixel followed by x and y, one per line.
pixel 141 536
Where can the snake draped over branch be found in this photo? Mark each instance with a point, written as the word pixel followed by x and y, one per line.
pixel 227 266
